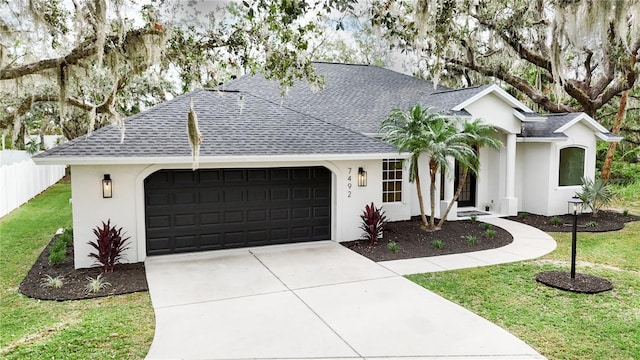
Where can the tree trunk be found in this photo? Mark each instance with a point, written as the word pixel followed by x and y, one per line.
pixel 606 167
pixel 461 181
pixel 432 194
pixel 420 200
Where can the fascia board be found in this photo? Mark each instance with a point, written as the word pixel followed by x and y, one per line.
pixel 213 159
pixel 501 93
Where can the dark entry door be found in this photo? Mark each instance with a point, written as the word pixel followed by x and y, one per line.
pixel 230 208
pixel 468 195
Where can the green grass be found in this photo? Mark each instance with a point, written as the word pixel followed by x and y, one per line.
pixel 118 327
pixel 559 324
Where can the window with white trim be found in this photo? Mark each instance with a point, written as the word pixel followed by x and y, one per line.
pixel 571 169
pixel 391 180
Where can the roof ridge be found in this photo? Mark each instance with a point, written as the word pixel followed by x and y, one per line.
pixel 460 89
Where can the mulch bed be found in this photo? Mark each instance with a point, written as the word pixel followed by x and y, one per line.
pixel 605 221
pixel 414 242
pixel 581 283
pixel 411 239
pixel 127 278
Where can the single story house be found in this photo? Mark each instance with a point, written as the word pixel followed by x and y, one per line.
pixel 302 167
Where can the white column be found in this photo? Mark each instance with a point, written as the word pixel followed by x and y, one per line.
pixel 509 205
pixel 511 166
pixel 448 184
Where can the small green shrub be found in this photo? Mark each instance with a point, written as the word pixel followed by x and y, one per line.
pixel 474 218
pixel 486 226
pixel 523 215
pixel 96 284
pixel 52 282
pixel 66 236
pixel 625 212
pixel 57 257
pixel 471 240
pixel 490 233
pixel 393 246
pixel 555 221
pixel 591 224
pixel 437 244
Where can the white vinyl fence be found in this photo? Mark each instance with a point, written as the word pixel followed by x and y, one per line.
pixel 21 179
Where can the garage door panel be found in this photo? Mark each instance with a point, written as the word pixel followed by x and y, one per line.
pixel 228 208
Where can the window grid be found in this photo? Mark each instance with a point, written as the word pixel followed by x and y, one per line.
pixel 391 180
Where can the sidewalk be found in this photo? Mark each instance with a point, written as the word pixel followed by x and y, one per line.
pixel 528 243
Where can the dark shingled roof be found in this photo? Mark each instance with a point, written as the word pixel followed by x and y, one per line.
pixel 448 99
pixel 546 129
pixel 357 97
pixel 262 128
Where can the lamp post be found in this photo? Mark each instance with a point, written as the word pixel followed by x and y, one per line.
pixel 574 203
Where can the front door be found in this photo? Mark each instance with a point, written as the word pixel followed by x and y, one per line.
pixel 467 197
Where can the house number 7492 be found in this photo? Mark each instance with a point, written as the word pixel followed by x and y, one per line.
pixel 349 184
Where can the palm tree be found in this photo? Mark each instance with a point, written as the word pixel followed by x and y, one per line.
pixel 422 131
pixel 479 135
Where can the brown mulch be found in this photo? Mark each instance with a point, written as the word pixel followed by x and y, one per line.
pixel 581 283
pixel 414 242
pixel 411 239
pixel 127 278
pixel 606 220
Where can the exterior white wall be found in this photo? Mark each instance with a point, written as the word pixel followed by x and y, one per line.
pixel 496 112
pixel 533 182
pixel 126 207
pixel 579 136
pixel 539 187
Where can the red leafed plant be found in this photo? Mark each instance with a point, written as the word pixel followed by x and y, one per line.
pixel 109 245
pixel 373 221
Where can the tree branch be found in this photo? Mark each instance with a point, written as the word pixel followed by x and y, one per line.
pixel 518 83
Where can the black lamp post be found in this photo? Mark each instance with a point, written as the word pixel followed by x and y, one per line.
pixel 575 204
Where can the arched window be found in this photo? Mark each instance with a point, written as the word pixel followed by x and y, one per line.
pixel 571 166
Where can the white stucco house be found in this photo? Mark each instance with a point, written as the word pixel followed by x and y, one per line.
pixel 302 167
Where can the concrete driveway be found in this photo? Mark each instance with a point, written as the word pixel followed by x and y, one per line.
pixel 308 301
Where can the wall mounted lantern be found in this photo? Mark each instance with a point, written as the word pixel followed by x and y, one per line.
pixel 362 177
pixel 107 186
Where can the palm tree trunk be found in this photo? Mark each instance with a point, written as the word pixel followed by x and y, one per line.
pixel 461 181
pixel 606 167
pixel 420 200
pixel 432 193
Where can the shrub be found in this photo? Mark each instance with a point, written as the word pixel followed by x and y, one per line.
pixel 490 233
pixel 109 244
pixel 66 236
pixel 591 224
pixel 555 221
pixel 52 282
pixel 373 222
pixel 474 218
pixel 486 226
pixel 471 240
pixel 437 244
pixel 625 212
pixel 96 284
pixel 595 194
pixel 57 257
pixel 523 215
pixel 393 246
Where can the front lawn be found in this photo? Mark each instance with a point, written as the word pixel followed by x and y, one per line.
pixel 119 327
pixel 560 325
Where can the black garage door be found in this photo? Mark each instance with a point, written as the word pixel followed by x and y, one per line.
pixel 212 209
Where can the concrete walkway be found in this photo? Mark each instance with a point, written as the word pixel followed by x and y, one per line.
pixel 528 243
pixel 320 301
